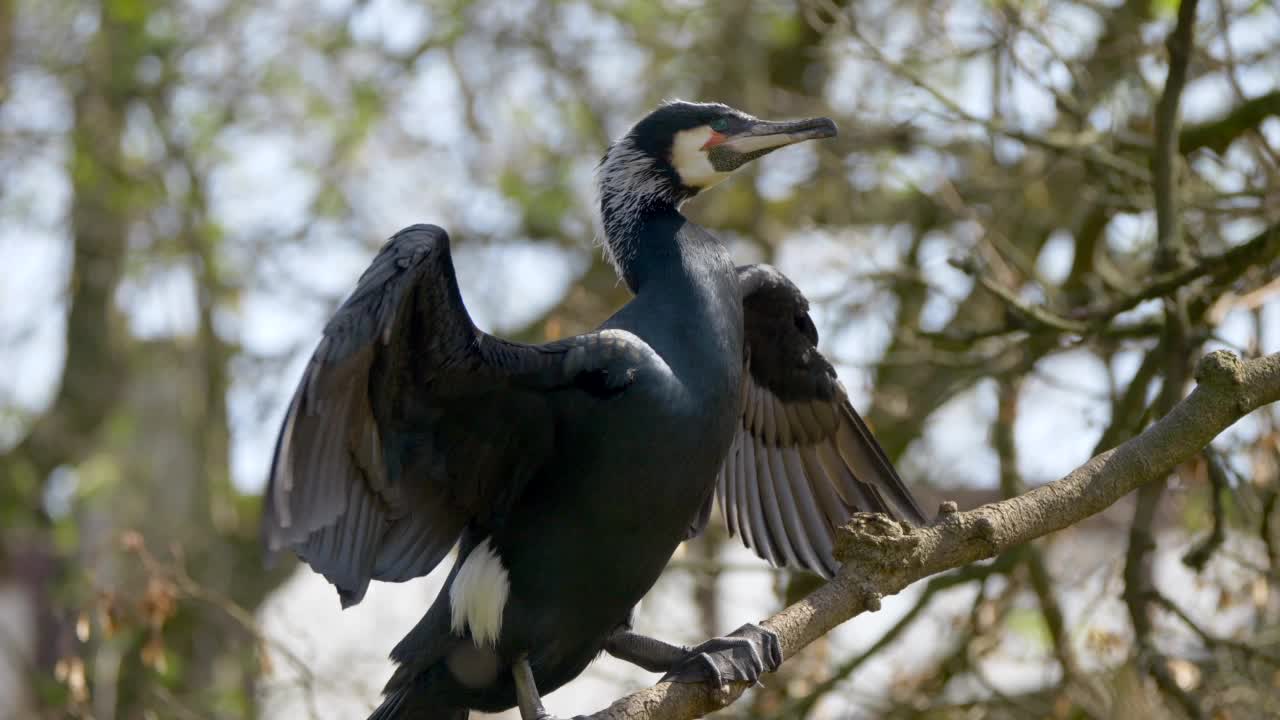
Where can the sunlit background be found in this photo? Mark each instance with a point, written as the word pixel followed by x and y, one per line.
pixel 187 190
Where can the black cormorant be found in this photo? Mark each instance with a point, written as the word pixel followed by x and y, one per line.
pixel 567 473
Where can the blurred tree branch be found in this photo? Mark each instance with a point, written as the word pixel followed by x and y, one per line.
pixel 1199 555
pixel 1217 135
pixel 1171 254
pixel 104 204
pixel 882 557
pixel 906 393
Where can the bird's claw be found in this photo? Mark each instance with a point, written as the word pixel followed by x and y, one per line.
pixel 741 656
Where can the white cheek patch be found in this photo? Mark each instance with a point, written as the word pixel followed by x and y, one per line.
pixel 479 594
pixel 691 161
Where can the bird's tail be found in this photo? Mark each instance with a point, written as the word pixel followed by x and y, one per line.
pixel 410 702
pixel 417 689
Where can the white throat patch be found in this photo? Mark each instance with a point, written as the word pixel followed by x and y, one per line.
pixel 479 594
pixel 690 160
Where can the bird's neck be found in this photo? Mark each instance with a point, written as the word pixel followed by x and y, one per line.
pixel 640 237
pixel 639 202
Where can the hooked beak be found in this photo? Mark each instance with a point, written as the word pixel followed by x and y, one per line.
pixel 761 136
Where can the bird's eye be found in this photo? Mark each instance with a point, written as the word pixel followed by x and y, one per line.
pixel 720 124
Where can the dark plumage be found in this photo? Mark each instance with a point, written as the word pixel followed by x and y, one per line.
pixel 567 473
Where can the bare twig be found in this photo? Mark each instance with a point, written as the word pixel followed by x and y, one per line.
pixel 1171 254
pixel 1205 636
pixel 1266 530
pixel 1164 156
pixel 1098 318
pixel 1139 588
pixel 1218 484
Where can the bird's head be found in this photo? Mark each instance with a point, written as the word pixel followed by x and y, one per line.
pixel 682 148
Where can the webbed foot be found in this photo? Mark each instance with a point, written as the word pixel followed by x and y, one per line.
pixel 741 656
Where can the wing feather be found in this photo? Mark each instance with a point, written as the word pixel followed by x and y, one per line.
pixel 400 432
pixel 770 435
pixel 811 519
pixel 748 405
pixel 802 460
pixel 727 489
pixel 834 510
pixel 769 502
pixel 793 526
pixel 742 485
pixel 757 529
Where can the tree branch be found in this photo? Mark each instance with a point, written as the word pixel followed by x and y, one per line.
pixel 1171 254
pixel 1199 555
pixel 1217 135
pixel 882 557
pixel 1164 156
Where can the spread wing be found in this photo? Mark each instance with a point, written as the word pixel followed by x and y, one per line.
pixel 802 461
pixel 409 423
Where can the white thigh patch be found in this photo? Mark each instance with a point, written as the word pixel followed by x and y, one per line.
pixel 479 594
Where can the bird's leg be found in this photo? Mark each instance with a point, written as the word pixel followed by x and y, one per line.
pixel 527 691
pixel 649 653
pixel 527 696
pixel 743 655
